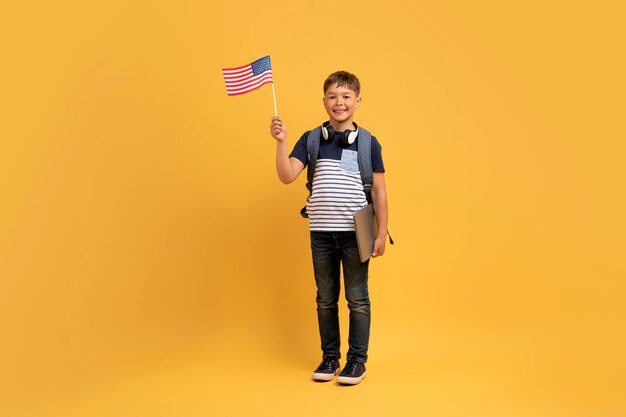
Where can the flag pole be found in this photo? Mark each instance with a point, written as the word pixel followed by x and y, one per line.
pixel 274 94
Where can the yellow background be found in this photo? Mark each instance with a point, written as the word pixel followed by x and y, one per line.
pixel 152 264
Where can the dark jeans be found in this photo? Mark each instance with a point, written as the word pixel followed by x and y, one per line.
pixel 330 249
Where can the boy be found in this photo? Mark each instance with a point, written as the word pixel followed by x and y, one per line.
pixel 337 193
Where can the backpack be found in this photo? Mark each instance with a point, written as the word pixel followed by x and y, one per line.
pixel 364 152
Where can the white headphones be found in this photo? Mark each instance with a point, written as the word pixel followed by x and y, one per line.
pixel 347 137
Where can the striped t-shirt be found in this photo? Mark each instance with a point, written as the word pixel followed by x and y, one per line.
pixel 337 187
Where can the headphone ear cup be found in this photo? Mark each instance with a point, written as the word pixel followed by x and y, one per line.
pixel 352 136
pixel 348 137
pixel 328 132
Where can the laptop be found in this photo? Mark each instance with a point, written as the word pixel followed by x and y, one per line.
pixel 366 230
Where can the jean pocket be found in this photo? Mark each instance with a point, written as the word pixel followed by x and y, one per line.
pixel 349 160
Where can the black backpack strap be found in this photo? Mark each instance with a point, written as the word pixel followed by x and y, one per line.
pixel 365 162
pixel 312 148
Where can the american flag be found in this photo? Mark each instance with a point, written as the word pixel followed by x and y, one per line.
pixel 244 79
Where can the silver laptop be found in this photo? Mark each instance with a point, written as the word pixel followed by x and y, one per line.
pixel 366 230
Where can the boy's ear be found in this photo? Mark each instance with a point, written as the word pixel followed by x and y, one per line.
pixel 358 102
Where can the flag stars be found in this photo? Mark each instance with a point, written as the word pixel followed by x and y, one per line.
pixel 261 65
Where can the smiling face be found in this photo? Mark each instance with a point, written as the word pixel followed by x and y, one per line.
pixel 340 104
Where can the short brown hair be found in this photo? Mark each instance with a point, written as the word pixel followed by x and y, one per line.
pixel 343 78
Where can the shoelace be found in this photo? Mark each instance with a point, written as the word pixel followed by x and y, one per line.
pixel 328 365
pixel 352 367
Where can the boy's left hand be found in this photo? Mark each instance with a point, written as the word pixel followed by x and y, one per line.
pixel 379 246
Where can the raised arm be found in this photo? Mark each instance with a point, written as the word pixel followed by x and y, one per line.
pixel 287 168
pixel 379 198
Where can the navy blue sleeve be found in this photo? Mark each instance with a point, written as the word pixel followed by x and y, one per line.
pixel 299 149
pixel 377 156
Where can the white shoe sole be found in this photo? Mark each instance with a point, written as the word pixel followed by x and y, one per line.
pixel 324 377
pixel 346 380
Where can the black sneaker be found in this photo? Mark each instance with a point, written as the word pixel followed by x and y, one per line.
pixel 352 374
pixel 327 370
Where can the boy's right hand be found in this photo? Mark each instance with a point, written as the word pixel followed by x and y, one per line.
pixel 278 130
